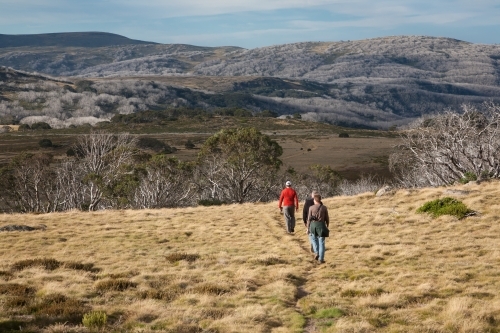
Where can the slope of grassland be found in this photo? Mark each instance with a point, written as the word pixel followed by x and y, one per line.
pixel 234 269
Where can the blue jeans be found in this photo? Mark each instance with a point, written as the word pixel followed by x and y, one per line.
pixel 289 212
pixel 318 244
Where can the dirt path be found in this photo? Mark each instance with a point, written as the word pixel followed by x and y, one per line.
pixel 298 240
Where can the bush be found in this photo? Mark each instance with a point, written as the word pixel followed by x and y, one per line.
pixel 45 143
pixel 189 144
pixel 343 135
pixel 40 126
pixel 150 143
pixel 95 320
pixel 468 177
pixel 446 206
pixel 24 127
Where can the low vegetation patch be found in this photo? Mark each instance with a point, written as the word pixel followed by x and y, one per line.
pixel 59 306
pixel 446 206
pixel 210 288
pixel 89 267
pixel 114 285
pixel 329 313
pixel 173 257
pixel 16 289
pixel 270 261
pixel 95 320
pixel 47 263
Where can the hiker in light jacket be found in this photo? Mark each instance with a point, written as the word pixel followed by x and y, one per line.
pixel 317 227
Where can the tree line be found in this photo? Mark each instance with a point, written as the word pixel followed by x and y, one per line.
pixel 110 171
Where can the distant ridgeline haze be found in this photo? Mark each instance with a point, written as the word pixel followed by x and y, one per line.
pixel 376 83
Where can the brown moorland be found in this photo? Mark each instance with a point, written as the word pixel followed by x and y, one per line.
pixel 304 143
pixel 233 268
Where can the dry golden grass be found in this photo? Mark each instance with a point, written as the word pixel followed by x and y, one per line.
pixel 234 269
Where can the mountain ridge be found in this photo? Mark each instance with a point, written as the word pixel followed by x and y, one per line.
pixel 67 39
pixel 379 82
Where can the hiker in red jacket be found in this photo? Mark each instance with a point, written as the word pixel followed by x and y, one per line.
pixel 289 204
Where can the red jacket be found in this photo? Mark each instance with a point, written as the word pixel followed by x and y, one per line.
pixel 288 197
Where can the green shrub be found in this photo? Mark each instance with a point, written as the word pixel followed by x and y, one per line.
pixel 343 135
pixel 95 320
pixel 468 177
pixel 45 143
pixel 189 144
pixel 445 206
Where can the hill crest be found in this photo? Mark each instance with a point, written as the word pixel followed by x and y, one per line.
pixel 67 39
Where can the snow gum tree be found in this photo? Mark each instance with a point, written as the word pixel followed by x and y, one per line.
pixel 239 165
pixel 450 147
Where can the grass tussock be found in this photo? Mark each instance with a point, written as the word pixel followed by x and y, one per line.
pixel 114 285
pixel 388 269
pixel 174 257
pixel 88 267
pixel 47 263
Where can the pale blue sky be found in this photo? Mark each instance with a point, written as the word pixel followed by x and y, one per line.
pixel 255 23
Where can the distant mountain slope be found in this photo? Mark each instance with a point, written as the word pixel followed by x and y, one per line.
pixel 378 82
pixel 67 39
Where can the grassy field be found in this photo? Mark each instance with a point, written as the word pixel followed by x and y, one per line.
pixel 304 143
pixel 234 269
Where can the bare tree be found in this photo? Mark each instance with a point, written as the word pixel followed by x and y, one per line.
pixel 366 183
pixel 34 185
pixel 101 158
pixel 449 147
pixel 165 183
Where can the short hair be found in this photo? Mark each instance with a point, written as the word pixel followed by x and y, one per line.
pixel 317 197
pixel 314 192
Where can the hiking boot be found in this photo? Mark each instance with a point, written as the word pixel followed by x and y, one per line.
pixel 316 256
pixel 321 261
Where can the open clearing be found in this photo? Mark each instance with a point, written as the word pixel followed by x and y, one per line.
pixel 234 269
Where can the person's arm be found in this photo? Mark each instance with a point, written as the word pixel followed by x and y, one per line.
pixel 280 200
pixel 305 210
pixel 296 197
pixel 309 219
pixel 327 218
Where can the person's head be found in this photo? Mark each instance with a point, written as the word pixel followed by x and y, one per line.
pixel 317 198
pixel 313 193
pixel 288 183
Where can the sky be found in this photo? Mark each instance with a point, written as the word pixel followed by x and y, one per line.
pixel 256 23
